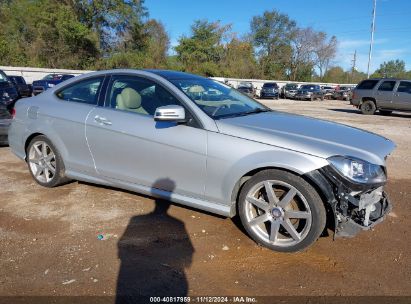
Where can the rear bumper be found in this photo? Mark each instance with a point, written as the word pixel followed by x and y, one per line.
pixel 4 129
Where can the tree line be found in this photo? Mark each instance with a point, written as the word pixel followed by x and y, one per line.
pixel 105 34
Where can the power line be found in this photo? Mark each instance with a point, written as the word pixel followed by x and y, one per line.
pixel 372 38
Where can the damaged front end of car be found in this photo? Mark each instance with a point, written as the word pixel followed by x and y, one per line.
pixel 355 192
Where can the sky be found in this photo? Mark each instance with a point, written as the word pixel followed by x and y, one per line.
pixel 348 20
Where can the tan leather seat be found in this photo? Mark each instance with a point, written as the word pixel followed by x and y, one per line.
pixel 130 100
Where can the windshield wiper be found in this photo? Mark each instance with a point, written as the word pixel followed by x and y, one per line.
pixel 254 111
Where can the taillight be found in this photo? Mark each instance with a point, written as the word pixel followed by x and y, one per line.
pixel 13 112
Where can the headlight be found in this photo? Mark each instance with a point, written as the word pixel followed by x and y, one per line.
pixel 50 85
pixel 357 170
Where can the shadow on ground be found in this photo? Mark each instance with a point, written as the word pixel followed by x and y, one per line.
pixel 354 111
pixel 154 251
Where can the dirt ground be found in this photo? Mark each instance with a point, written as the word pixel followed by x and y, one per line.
pixel 49 237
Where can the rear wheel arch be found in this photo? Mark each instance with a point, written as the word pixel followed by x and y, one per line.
pixel 29 139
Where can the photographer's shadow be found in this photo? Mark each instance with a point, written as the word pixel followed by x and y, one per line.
pixel 154 251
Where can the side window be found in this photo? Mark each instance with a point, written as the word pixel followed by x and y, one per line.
pixel 138 95
pixel 404 87
pixel 367 85
pixel 85 91
pixel 387 86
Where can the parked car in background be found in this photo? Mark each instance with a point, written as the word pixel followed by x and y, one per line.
pixel 328 91
pixel 48 82
pixel 5 120
pixel 384 95
pixel 270 90
pixel 342 93
pixel 309 92
pixel 289 90
pixel 22 87
pixel 144 131
pixel 247 88
pixel 8 91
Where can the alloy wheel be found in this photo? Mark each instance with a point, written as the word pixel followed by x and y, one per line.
pixel 42 161
pixel 278 213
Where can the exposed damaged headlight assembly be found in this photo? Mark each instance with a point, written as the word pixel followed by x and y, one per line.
pixel 358 170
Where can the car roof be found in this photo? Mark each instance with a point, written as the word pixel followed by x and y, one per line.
pixel 172 75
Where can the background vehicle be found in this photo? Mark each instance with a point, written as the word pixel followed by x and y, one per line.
pixel 8 92
pixel 328 91
pixel 22 87
pixel 384 95
pixel 342 93
pixel 270 90
pixel 247 88
pixel 289 90
pixel 151 131
pixel 5 120
pixel 48 82
pixel 309 92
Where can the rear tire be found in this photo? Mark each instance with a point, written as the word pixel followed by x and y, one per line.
pixel 368 107
pixel 281 211
pixel 45 163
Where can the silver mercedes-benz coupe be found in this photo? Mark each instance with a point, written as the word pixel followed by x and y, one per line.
pixel 285 175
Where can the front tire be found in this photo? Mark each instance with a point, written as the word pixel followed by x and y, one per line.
pixel 281 211
pixel 45 163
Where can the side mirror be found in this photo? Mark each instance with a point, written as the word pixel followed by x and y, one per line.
pixel 170 113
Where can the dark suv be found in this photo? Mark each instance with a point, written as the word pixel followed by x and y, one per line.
pixel 22 87
pixel 8 91
pixel 309 92
pixel 270 90
pixel 384 95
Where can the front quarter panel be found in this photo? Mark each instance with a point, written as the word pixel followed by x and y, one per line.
pixel 230 158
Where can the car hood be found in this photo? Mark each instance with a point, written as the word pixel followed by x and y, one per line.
pixel 308 135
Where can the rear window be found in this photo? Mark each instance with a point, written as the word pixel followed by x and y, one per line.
pixel 367 85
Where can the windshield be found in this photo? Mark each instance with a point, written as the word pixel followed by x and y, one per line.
pixel 3 77
pixel 216 99
pixel 269 85
pixel 291 86
pixel 52 77
pixel 307 87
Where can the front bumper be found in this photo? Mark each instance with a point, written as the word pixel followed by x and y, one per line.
pixel 348 227
pixel 355 207
pixel 38 90
pixel 270 94
pixel 302 96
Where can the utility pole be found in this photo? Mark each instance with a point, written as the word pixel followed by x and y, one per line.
pixel 372 38
pixel 354 64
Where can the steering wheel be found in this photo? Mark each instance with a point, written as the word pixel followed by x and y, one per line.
pixel 218 109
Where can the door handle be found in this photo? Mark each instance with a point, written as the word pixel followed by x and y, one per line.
pixel 102 120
